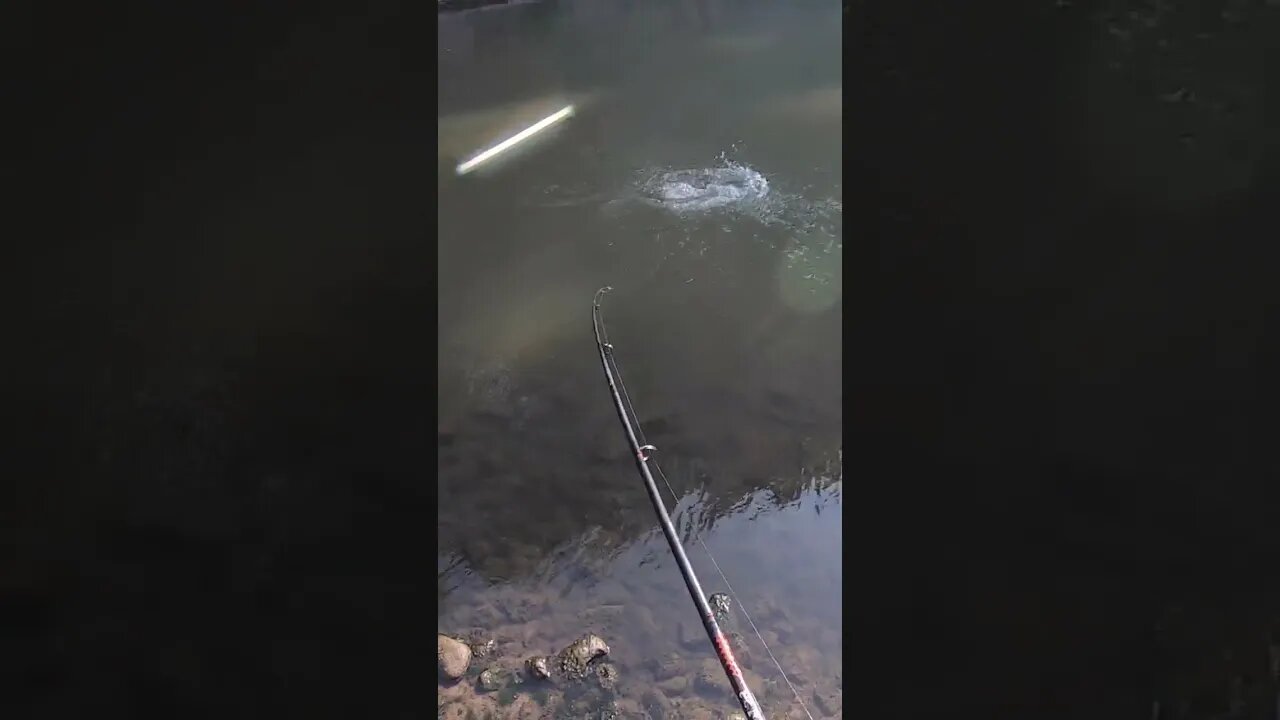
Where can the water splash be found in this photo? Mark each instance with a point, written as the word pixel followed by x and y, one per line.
pixel 733 189
pixel 705 189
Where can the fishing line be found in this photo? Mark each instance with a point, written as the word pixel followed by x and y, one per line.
pixel 644 461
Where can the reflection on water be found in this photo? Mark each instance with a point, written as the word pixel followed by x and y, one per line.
pixel 725 319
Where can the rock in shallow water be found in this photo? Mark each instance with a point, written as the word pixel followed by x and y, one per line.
pixel 453 657
pixel 572 662
pixel 607 677
pixel 674 686
pixel 538 668
pixel 668 667
pixel 492 679
pixel 721 606
pixel 482 646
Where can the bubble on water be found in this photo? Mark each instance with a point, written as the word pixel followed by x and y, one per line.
pixel 810 275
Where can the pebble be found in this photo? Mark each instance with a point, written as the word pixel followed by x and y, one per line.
pixel 606 677
pixel 481 646
pixel 537 667
pixel 453 657
pixel 491 680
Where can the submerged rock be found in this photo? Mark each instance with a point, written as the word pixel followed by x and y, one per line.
pixel 721 604
pixel 722 607
pixel 606 676
pixel 675 685
pixel 668 667
pixel 572 662
pixel 481 645
pixel 538 668
pixel 493 679
pixel 453 657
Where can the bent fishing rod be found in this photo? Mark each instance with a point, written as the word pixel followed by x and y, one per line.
pixel 718 640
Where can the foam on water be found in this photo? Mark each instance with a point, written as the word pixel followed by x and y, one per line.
pixel 700 190
pixel 730 189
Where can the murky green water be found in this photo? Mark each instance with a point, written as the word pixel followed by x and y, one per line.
pixel 726 325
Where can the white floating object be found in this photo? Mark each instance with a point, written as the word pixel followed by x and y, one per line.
pixel 519 137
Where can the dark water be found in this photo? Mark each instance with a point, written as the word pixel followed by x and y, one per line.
pixel 726 324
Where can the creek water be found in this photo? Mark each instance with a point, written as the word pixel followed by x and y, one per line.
pixel 726 321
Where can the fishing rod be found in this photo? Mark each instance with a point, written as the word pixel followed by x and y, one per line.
pixel 718 640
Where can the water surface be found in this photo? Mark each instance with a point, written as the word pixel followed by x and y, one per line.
pixel 725 319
